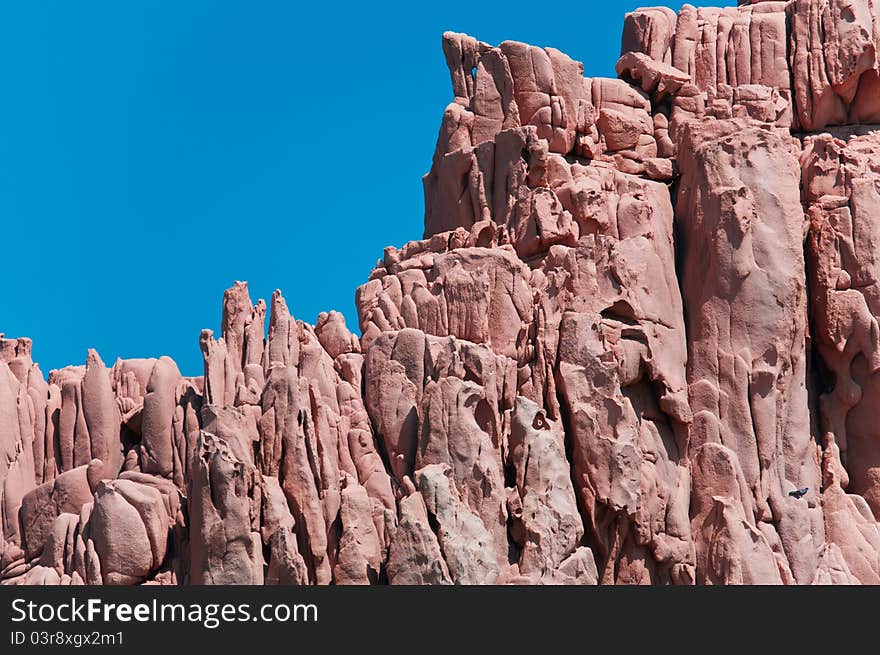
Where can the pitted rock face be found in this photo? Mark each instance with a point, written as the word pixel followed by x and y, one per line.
pixel 638 343
pixel 743 242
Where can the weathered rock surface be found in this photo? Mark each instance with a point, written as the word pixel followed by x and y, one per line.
pixel 745 285
pixel 638 343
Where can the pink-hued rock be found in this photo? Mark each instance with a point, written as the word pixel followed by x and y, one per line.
pixel 833 569
pixel 277 530
pixel 840 188
pixel 734 61
pixel 539 102
pixel 58 550
pixel 745 285
pixel 814 61
pixel 834 61
pixel 546 521
pixel 334 336
pixel 480 295
pixel 157 429
pixel 464 541
pixel 656 78
pixel 730 549
pixel 414 555
pixel 17 467
pixel 224 549
pixel 650 31
pixel 129 527
pixel 101 415
pixel 359 560
pixel 65 494
pixel 286 565
pixel 606 361
pixel 850 527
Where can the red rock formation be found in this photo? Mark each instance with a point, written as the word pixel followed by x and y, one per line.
pixel 745 287
pixel 608 361
pixel 841 194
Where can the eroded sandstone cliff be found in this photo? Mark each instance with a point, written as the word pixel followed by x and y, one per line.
pixel 637 344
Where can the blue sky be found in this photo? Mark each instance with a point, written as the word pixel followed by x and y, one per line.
pixel 151 153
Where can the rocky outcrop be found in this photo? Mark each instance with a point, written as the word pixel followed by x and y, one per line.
pixel 841 192
pixel 637 343
pixel 742 237
pixel 799 64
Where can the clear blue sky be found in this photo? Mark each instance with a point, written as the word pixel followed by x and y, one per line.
pixel 151 153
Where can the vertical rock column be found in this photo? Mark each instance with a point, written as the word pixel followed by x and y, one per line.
pixel 841 190
pixel 741 223
pixel 613 307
